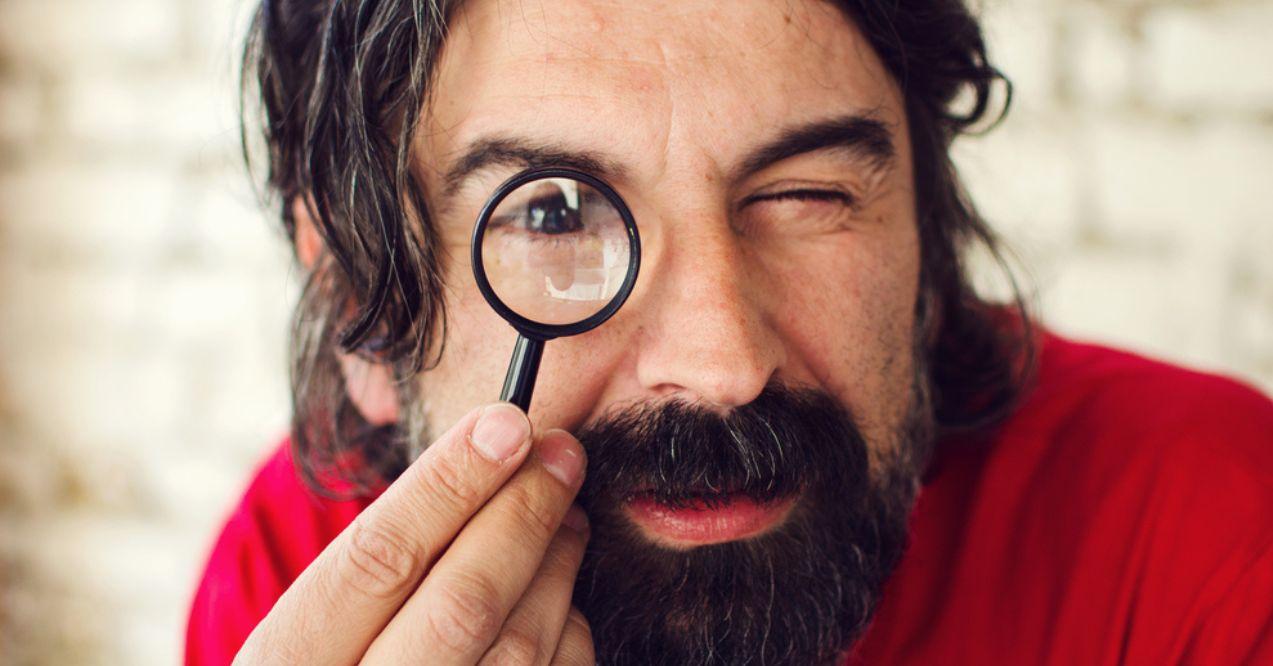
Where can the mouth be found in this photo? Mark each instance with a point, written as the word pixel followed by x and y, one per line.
pixel 706 519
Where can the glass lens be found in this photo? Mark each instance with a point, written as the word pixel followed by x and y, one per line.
pixel 555 251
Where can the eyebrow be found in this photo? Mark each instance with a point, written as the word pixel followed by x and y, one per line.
pixel 861 135
pixel 498 151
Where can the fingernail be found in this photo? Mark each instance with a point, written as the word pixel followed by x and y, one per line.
pixel 500 432
pixel 562 456
pixel 576 519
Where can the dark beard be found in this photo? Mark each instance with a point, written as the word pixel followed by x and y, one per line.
pixel 799 594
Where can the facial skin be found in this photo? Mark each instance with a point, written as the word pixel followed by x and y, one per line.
pixel 734 292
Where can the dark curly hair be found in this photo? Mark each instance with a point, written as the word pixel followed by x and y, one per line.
pixel 337 86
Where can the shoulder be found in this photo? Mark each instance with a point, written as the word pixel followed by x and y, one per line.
pixel 1117 443
pixel 1112 448
pixel 1137 491
pixel 1150 406
pixel 275 530
pixel 1120 512
pixel 280 513
pixel 1169 471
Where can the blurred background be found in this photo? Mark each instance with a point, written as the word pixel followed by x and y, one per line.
pixel 144 295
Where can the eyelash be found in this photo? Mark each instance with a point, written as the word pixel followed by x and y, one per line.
pixel 806 195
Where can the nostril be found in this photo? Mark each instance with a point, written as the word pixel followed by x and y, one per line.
pixel 692 397
pixel 720 395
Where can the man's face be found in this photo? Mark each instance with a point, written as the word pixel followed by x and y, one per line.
pixel 736 290
pixel 762 149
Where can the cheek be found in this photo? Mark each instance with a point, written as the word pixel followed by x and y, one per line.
pixel 573 373
pixel 847 313
pixel 474 358
pixel 577 374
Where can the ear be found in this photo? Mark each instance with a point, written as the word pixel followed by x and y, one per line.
pixel 933 320
pixel 370 386
pixel 308 243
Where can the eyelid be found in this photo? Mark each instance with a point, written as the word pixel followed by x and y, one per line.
pixel 804 194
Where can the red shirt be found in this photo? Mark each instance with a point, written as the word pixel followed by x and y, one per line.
pixel 1123 514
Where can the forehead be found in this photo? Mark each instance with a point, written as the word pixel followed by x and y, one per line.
pixel 659 82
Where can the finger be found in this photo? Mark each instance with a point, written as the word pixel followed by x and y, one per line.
pixel 531 632
pixel 575 647
pixel 455 614
pixel 346 596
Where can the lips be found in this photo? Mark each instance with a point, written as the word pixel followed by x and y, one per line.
pixel 705 519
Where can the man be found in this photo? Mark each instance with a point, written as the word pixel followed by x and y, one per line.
pixel 801 384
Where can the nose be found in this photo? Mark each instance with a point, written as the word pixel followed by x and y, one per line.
pixel 707 338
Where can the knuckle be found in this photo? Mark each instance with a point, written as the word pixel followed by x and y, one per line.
pixel 454 482
pixel 561 561
pixel 515 647
pixel 377 562
pixel 465 614
pixel 529 508
pixel 570 554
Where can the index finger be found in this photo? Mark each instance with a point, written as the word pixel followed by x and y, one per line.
pixel 345 597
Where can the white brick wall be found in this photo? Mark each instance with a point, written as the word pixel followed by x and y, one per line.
pixel 143 298
pixel 1133 173
pixel 143 306
pixel 1206 58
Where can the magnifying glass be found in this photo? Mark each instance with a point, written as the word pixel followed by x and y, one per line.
pixel 555 252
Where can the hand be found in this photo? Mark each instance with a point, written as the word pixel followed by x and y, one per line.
pixel 470 556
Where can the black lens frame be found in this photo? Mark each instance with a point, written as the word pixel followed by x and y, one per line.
pixel 528 327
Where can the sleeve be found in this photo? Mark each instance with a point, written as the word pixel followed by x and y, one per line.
pixel 278 528
pixel 1239 630
pixel 1200 573
pixel 240 582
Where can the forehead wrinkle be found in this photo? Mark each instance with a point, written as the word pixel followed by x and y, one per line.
pixel 657 68
pixel 669 109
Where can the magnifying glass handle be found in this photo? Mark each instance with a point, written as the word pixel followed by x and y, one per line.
pixel 519 383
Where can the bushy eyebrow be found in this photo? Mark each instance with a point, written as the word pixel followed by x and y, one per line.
pixel 862 135
pixel 516 151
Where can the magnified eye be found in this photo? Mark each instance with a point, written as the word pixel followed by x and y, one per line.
pixel 557 249
pixel 597 211
pixel 549 212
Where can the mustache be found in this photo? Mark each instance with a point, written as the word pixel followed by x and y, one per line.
pixel 786 441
